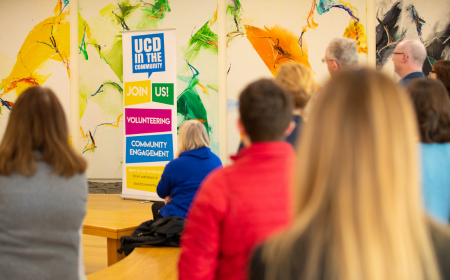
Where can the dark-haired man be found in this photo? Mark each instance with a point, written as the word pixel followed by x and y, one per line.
pixel 239 206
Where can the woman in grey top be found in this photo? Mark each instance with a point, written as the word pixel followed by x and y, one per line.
pixel 43 192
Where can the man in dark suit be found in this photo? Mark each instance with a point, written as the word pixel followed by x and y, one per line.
pixel 408 58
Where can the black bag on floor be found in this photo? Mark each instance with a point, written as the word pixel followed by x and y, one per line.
pixel 165 232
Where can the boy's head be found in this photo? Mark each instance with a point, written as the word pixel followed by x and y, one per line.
pixel 265 111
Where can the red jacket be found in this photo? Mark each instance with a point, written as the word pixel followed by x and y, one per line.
pixel 236 209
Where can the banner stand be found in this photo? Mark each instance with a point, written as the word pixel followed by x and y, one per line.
pixel 150 110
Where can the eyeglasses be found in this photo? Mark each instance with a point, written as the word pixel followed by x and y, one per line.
pixel 325 60
pixel 394 53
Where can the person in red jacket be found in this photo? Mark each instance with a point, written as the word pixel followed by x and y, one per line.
pixel 240 206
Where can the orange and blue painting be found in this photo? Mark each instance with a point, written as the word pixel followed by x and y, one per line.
pixel 263 34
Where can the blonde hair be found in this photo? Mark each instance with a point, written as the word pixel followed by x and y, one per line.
pixel 298 80
pixel 192 135
pixel 357 198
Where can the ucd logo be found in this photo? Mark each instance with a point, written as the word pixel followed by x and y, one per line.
pixel 148 53
pixel 137 92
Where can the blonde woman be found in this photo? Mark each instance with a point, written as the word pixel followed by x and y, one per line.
pixel 182 176
pixel 357 204
pixel 298 81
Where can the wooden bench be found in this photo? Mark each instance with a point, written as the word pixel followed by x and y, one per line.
pixel 147 262
pixel 112 217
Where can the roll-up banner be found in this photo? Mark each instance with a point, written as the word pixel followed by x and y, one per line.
pixel 150 109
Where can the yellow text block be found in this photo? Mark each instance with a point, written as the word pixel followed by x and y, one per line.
pixel 144 178
pixel 138 92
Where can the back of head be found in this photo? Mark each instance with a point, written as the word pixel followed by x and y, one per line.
pixel 37 131
pixel 432 105
pixel 416 51
pixel 442 70
pixel 298 80
pixel 344 51
pixel 356 191
pixel 192 135
pixel 265 110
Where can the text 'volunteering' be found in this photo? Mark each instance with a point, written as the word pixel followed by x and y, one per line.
pixel 140 121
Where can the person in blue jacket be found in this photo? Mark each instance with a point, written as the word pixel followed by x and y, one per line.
pixel 432 105
pixel 182 176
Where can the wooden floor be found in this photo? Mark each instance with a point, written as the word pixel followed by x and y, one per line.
pixel 94 250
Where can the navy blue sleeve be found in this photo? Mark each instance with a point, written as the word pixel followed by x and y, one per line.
pixel 257 267
pixel 165 184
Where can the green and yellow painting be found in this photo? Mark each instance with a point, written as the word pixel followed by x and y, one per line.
pixel 101 83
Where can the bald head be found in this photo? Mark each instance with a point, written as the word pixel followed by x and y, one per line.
pixel 408 57
pixel 415 50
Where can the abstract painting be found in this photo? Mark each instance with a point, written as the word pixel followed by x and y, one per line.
pixel 427 21
pixel 34 50
pixel 101 85
pixel 263 34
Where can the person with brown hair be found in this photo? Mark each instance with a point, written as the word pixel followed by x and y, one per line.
pixel 441 72
pixel 43 192
pixel 182 176
pixel 240 205
pixel 357 206
pixel 432 105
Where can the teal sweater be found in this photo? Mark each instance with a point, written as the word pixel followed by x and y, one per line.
pixel 436 180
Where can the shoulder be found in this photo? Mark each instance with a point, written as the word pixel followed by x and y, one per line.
pixel 214 188
pixel 440 236
pixel 176 163
pixel 215 158
pixel 435 152
pixel 215 180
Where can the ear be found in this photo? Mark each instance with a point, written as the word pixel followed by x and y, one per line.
pixel 335 65
pixel 241 127
pixel 245 139
pixel 290 128
pixel 405 58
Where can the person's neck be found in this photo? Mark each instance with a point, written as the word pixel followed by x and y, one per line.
pixel 246 141
pixel 297 112
pixel 411 68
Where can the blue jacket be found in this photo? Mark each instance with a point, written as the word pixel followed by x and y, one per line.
pixel 411 77
pixel 182 177
pixel 436 180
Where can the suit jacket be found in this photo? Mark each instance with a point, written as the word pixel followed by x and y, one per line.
pixel 410 77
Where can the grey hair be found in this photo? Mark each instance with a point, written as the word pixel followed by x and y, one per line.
pixel 192 135
pixel 415 50
pixel 344 51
